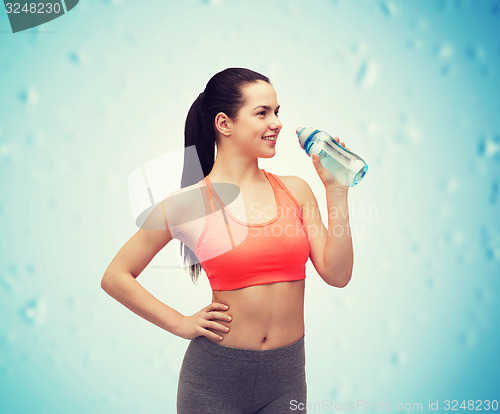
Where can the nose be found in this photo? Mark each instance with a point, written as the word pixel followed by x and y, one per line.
pixel 276 124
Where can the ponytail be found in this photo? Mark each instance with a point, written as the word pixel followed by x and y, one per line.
pixel 198 132
pixel 223 93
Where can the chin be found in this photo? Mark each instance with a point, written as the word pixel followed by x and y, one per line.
pixel 267 155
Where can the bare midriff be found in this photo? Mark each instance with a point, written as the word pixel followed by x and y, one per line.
pixel 264 316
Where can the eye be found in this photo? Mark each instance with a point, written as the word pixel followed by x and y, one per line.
pixel 262 113
pixel 277 113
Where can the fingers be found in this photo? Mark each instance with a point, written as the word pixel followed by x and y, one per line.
pixel 218 326
pixel 316 163
pixel 208 326
pixel 341 142
pixel 216 306
pixel 218 315
pixel 207 333
pixel 216 311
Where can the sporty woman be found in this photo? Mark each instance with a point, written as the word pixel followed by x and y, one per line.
pixel 246 352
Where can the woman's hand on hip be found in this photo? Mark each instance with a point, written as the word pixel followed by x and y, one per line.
pixel 196 325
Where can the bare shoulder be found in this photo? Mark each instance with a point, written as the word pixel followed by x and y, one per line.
pixel 186 195
pixel 182 204
pixel 297 186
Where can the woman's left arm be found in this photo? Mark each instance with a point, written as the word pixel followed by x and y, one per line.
pixel 331 250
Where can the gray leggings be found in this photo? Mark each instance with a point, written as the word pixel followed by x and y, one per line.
pixel 220 379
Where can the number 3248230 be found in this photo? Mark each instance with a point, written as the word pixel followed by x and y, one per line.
pixel 33 8
pixel 478 405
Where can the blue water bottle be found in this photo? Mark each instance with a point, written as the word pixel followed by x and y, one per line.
pixel 347 167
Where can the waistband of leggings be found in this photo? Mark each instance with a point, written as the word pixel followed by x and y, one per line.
pixel 254 354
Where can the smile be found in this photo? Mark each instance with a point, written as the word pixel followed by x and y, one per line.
pixel 270 138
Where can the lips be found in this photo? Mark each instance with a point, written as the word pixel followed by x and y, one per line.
pixel 270 138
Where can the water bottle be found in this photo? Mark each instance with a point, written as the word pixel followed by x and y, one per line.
pixel 347 167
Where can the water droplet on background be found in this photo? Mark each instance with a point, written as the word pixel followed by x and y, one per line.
pixel 423 24
pixel 475 53
pixel 212 2
pixel 445 51
pixel 490 243
pixel 430 282
pixel 415 44
pixel 489 146
pixel 5 152
pixel 29 96
pixel 467 339
pixel 398 358
pixel 112 2
pixel 409 134
pixel 359 48
pixel 333 393
pixel 449 185
pixel 35 311
pixel 368 75
pixel 78 57
pixel 91 358
pixel 494 191
pixel 449 70
pixel 389 8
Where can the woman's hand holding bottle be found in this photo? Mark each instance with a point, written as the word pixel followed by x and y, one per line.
pixel 326 176
pixel 337 166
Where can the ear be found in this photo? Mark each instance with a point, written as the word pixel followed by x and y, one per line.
pixel 223 124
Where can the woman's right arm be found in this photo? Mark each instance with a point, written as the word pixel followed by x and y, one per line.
pixel 119 281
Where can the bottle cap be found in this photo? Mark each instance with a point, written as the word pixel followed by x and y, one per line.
pixel 303 134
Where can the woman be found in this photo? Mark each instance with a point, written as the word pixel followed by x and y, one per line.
pixel 246 353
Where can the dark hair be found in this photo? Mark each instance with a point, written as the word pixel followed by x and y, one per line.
pixel 223 93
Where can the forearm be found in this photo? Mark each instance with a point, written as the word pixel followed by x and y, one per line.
pixel 130 293
pixel 338 254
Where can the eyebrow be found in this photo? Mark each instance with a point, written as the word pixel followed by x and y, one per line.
pixel 267 107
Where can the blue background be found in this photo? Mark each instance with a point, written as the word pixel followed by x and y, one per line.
pixel 411 86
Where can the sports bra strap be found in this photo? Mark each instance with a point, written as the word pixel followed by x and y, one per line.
pixel 280 184
pixel 207 201
pixel 203 191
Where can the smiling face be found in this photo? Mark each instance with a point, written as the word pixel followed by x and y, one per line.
pixel 256 126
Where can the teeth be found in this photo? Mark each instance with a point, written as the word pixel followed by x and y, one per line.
pixel 269 138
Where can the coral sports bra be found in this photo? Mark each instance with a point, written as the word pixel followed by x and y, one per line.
pixel 235 254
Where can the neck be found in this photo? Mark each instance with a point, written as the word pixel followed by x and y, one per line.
pixel 234 168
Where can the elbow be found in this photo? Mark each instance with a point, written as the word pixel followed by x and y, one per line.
pixel 103 285
pixel 340 282
pixel 339 274
pixel 106 282
pixel 112 280
pixel 344 282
